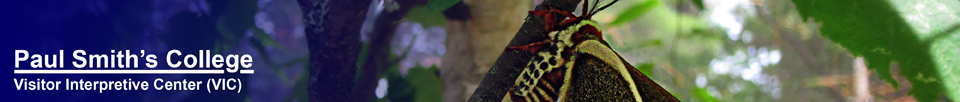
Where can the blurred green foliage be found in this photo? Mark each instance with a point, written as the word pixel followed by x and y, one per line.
pixel 703 95
pixel 634 12
pixel 426 18
pixel 399 88
pixel 430 14
pixel 428 84
pixel 698 3
pixel 237 17
pixel 422 84
pixel 440 5
pixel 879 32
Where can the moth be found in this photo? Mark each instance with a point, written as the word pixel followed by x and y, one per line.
pixel 576 64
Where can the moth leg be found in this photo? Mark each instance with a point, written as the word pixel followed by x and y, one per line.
pixel 572 19
pixel 548 17
pixel 532 47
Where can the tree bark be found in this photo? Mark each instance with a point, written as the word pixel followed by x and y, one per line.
pixel 333 39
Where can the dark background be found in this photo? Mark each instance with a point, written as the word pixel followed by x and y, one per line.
pixel 156 26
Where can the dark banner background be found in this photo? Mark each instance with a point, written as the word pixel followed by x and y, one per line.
pixel 157 26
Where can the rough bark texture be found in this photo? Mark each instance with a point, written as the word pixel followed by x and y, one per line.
pixel 333 36
pixel 503 73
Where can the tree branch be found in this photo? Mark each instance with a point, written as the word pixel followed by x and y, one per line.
pixel 503 73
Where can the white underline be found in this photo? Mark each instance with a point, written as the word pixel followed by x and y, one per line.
pixel 220 71
pixel 246 71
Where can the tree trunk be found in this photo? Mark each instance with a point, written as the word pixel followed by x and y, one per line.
pixel 333 39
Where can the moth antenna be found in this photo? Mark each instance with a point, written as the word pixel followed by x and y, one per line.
pixel 604 7
pixel 584 10
pixel 594 6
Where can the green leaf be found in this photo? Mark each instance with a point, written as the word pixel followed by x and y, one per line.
pixel 946 53
pixel 430 14
pixel 936 23
pixel 879 31
pixel 428 86
pixel 440 5
pixel 398 88
pixel 634 12
pixel 426 17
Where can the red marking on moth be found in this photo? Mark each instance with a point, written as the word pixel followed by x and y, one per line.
pixel 586 29
pixel 590 29
pixel 555 77
pixel 513 96
pixel 549 16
